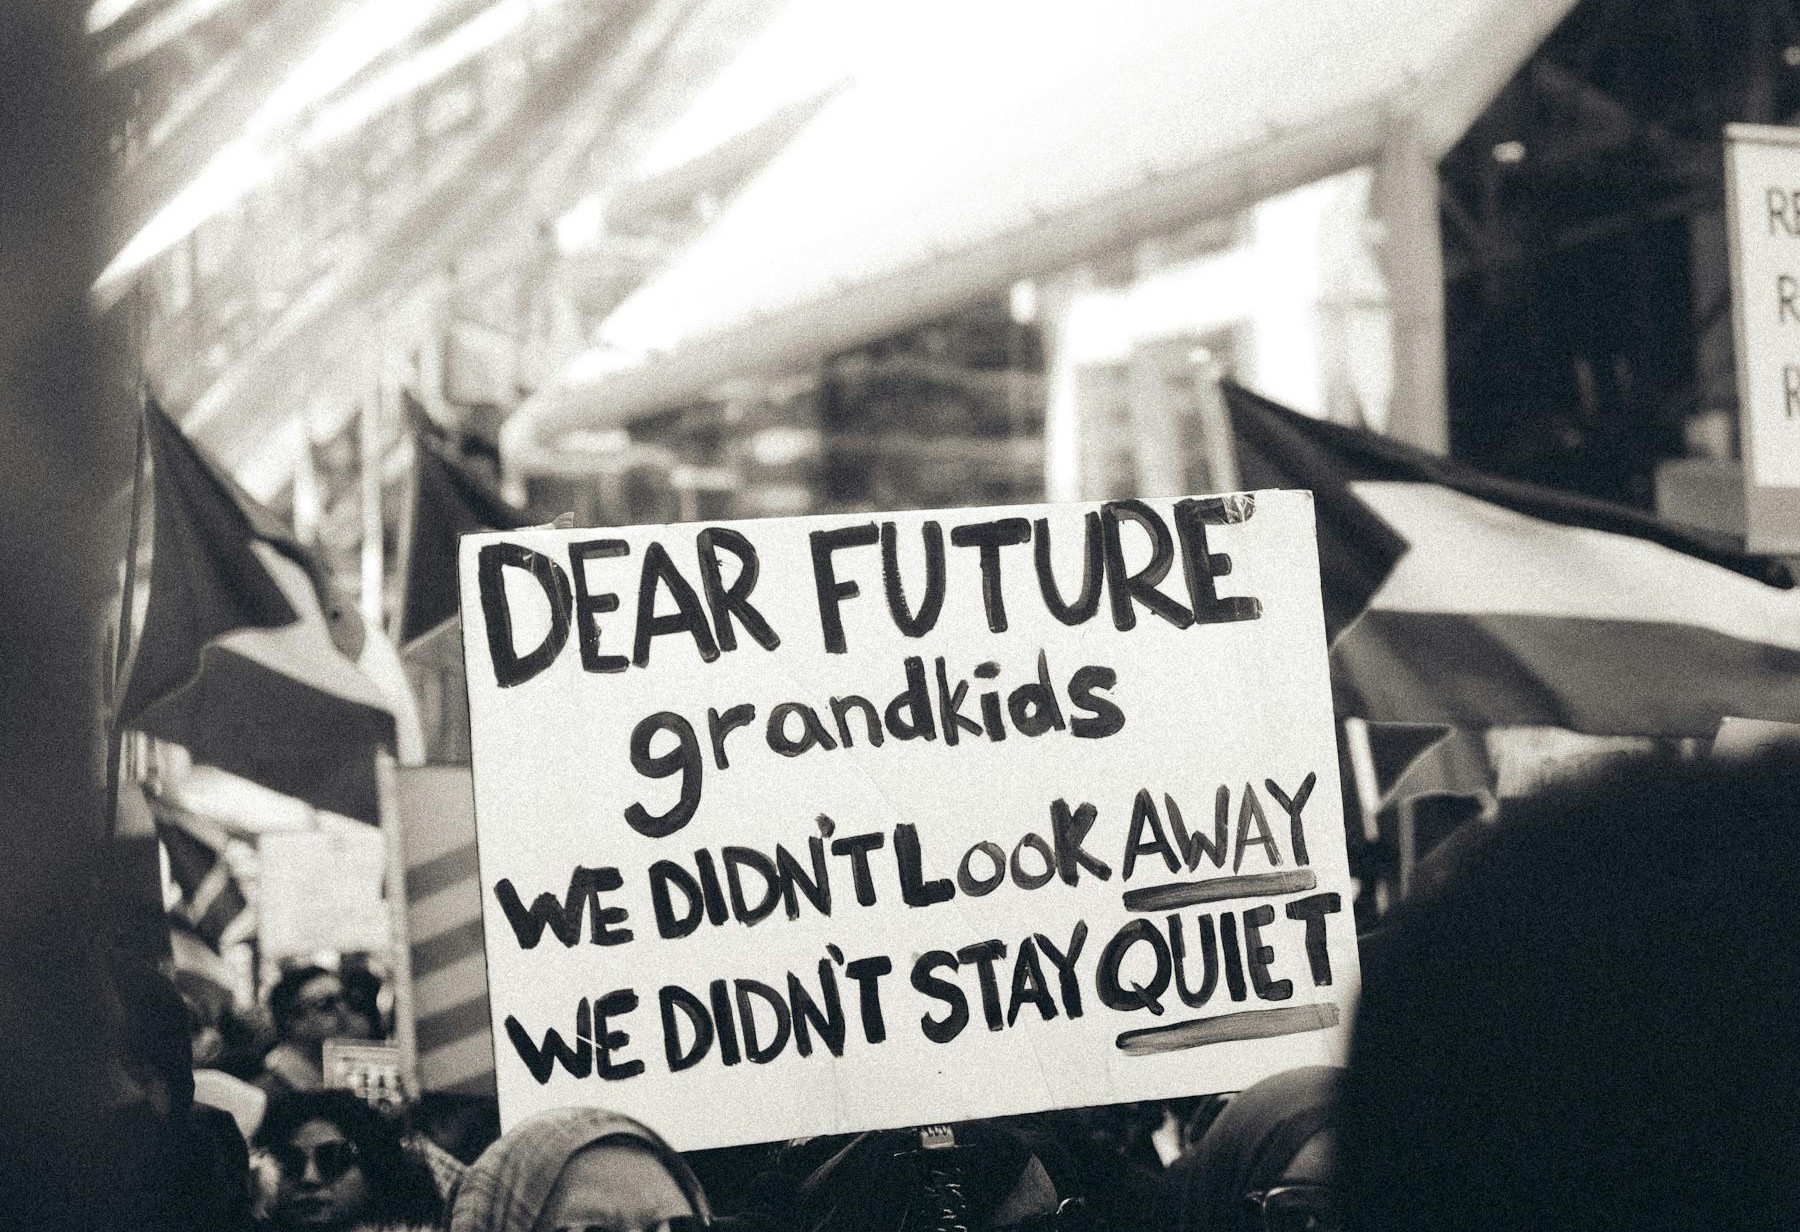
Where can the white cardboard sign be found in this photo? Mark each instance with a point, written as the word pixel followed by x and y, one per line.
pixel 321 890
pixel 826 824
pixel 1762 181
pixel 370 1069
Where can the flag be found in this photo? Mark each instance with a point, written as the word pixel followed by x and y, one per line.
pixel 242 658
pixel 1465 600
pixel 1413 760
pixel 212 904
pixel 452 1023
pixel 450 500
pixel 205 578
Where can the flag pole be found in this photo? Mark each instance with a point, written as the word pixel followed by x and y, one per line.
pixel 371 603
pixel 1215 422
pixel 122 640
pixel 1408 834
pixel 134 882
pixel 1362 769
pixel 126 594
pixel 409 513
pixel 374 612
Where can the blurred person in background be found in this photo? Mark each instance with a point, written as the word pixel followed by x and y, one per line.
pixel 1107 1156
pixel 208 1022
pixel 462 1125
pixel 309 1005
pixel 1595 1022
pixel 338 1164
pixel 1267 1163
pixel 362 997
pixel 580 1168
pixel 974 1175
pixel 193 1154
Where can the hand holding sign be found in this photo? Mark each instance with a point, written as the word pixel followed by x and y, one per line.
pixel 829 824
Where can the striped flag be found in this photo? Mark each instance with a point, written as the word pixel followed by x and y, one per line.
pixel 1457 598
pixel 452 1030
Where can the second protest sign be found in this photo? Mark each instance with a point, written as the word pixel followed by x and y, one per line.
pixel 826 824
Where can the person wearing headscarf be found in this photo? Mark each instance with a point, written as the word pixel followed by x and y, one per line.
pixel 1264 1164
pixel 578 1168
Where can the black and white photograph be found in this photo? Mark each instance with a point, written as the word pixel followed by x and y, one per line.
pixel 876 616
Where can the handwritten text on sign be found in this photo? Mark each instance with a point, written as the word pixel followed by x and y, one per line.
pixel 826 824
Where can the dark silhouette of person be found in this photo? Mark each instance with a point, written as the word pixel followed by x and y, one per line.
pixel 1595 1022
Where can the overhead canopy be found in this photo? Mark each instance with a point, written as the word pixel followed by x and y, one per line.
pixel 1021 138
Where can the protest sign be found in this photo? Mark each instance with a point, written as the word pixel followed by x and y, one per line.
pixel 1762 188
pixel 371 1070
pixel 321 890
pixel 836 823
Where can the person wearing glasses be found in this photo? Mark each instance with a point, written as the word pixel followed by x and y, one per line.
pixel 580 1170
pixel 340 1165
pixel 309 1005
pixel 1266 1164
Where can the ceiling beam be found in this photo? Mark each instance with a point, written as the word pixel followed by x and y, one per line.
pixel 1467 82
pixel 718 171
pixel 942 281
pixel 148 28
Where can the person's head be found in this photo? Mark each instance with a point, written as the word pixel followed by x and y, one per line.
pixel 983 1175
pixel 308 1005
pixel 341 1163
pixel 1267 1162
pixel 157 1052
pixel 1596 1022
pixel 362 997
pixel 579 1168
pixel 206 1005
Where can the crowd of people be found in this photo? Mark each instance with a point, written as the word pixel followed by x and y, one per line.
pixel 1588 1017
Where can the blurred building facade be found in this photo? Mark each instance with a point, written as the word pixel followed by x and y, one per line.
pixel 670 259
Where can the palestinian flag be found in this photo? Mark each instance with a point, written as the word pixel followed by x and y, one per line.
pixel 246 658
pixel 450 500
pixel 212 904
pixel 206 580
pixel 1461 599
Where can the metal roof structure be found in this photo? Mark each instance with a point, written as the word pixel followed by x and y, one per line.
pixel 1026 143
pixel 297 179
